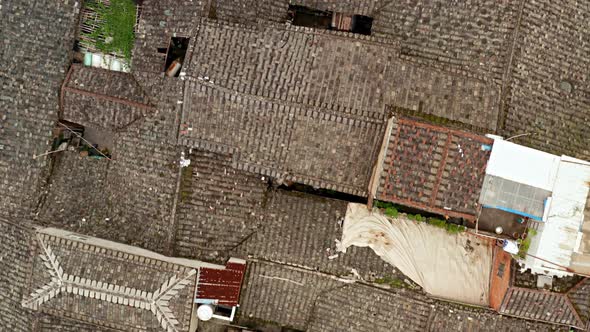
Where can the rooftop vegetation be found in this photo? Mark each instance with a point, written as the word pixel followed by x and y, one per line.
pixel 391 210
pixel 115 31
pixel 524 245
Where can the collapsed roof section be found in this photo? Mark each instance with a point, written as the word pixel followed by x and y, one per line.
pixel 101 98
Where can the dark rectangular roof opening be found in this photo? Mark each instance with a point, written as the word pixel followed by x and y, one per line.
pixel 362 24
pixel 309 17
pixel 175 56
pixel 322 19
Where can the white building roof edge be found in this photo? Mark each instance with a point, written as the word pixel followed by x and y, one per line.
pixel 523 165
pixel 107 244
pixel 560 235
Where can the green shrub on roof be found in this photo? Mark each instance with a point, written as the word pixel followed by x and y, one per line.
pixel 436 222
pixel 455 229
pixel 382 205
pixel 391 212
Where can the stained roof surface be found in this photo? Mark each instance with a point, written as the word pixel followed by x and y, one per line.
pixel 313 105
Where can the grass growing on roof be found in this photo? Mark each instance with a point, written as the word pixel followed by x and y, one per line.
pixel 436 222
pixel 524 245
pixel 391 210
pixel 115 33
pixel 393 282
pixel 455 229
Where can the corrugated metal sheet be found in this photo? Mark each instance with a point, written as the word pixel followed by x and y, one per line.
pixel 557 240
pixel 513 197
pixel 523 165
pixel 222 285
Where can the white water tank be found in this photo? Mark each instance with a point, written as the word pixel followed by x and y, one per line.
pixel 205 312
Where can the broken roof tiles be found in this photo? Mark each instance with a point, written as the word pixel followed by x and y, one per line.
pixel 433 168
pixel 579 295
pixel 369 309
pixel 286 295
pixel 37 38
pixel 304 81
pixel 159 20
pixel 312 301
pixel 551 52
pixel 304 229
pixel 219 207
pixel 14 249
pixel 49 323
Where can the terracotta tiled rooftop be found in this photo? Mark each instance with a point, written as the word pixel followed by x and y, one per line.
pixel 433 168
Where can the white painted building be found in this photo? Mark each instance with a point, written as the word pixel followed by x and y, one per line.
pixel 550 189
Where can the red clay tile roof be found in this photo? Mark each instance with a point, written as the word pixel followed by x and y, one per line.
pixel 222 285
pixel 433 168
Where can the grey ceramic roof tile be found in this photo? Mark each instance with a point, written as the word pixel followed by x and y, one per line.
pixel 301 229
pixel 541 305
pixel 36 40
pixel 14 267
pixel 108 284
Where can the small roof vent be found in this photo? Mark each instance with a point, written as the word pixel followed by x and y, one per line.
pixel 566 86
